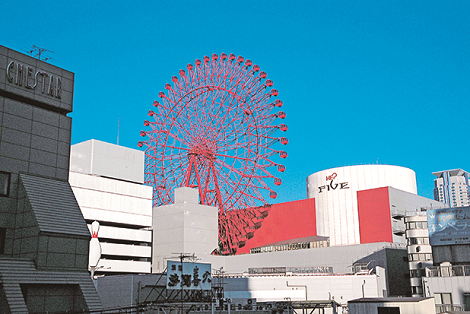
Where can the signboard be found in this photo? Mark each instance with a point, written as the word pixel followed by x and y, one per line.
pixel 188 276
pixel 332 185
pixel 449 226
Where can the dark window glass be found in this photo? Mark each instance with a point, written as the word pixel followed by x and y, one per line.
pixel 2 240
pixel 4 183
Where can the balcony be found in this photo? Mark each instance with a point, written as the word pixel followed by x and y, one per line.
pixel 398 228
pixel 446 308
pixel 448 271
pixel 397 213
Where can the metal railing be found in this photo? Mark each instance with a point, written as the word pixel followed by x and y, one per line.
pixel 448 271
pixel 440 308
pixel 397 212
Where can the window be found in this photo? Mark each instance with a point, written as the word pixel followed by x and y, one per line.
pixel 443 298
pixel 388 310
pixel 4 183
pixel 417 273
pixel 3 232
pixel 420 257
pixel 417 225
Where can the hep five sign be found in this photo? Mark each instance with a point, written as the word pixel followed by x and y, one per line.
pixel 331 185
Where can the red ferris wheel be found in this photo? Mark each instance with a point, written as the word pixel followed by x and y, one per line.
pixel 213 130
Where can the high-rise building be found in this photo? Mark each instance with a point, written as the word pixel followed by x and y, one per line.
pixel 43 237
pixel 452 187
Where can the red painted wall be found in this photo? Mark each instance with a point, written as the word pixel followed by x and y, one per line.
pixel 375 222
pixel 285 221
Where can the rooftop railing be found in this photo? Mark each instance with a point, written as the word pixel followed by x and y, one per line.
pixel 445 308
pixel 448 271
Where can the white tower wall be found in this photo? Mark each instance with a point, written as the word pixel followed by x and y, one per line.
pixel 183 227
pixel 335 193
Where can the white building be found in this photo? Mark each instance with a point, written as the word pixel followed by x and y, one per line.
pixel 304 287
pixel 415 305
pixel 183 227
pixel 452 187
pixel 419 249
pixel 107 181
pixel 335 192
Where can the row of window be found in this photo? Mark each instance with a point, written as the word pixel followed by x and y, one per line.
pixel 417 225
pixel 417 273
pixel 419 257
pixel 412 241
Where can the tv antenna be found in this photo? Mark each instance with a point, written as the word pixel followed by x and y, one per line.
pixel 36 52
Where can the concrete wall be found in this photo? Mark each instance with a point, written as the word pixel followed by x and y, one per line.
pixel 301 288
pixel 456 285
pixel 107 160
pixel 340 258
pixel 425 306
pixel 183 227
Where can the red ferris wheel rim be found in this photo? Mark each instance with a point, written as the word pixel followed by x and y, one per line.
pixel 213 130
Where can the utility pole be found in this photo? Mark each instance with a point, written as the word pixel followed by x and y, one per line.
pixel 182 257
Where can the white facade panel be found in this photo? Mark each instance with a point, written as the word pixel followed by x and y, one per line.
pixel 97 183
pixel 335 193
pixel 301 288
pixel 125 250
pixel 116 217
pixel 108 232
pixel 110 200
pixel 425 306
pixel 106 265
pixel 108 160
pixel 185 226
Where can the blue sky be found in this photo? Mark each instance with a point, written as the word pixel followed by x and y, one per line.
pixel 362 81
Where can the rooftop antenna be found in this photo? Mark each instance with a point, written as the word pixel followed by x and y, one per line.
pixel 36 52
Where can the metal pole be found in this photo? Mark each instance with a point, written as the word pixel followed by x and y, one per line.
pixel 132 290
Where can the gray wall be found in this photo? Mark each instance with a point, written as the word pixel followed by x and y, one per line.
pixel 34 129
pixel 45 229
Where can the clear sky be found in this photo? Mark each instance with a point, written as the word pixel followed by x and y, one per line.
pixel 362 82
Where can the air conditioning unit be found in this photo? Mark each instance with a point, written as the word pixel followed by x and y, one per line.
pixel 250 301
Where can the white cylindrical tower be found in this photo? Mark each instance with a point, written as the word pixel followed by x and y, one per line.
pixel 335 193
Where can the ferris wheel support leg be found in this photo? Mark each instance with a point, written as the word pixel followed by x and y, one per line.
pixel 217 189
pixel 192 162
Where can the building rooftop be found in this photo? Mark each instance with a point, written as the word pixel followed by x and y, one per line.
pixel 298 240
pixel 389 299
pixel 452 173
